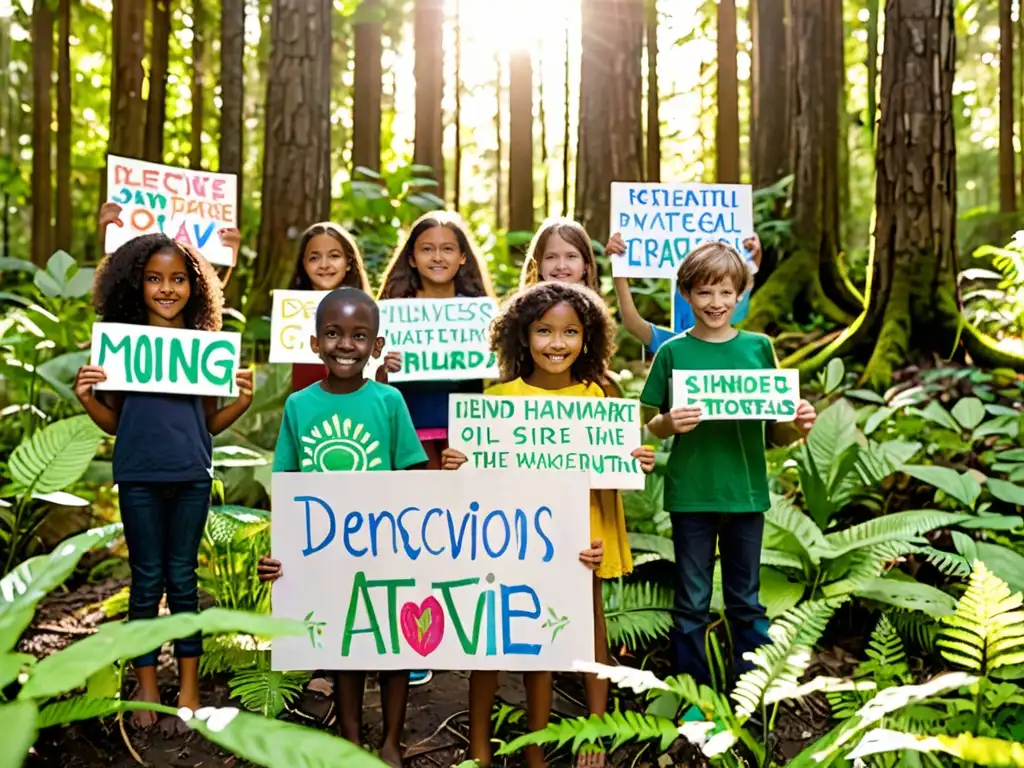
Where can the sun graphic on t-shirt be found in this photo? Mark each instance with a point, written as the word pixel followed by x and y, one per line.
pixel 337 446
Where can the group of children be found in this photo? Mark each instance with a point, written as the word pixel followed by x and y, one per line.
pixel 555 336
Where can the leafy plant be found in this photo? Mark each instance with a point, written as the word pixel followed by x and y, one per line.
pixel 636 613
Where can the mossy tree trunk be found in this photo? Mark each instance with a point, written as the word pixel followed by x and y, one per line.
pixel 815 222
pixel 770 154
pixel 913 298
pixel 42 117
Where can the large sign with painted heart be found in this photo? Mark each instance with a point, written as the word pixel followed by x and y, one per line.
pixel 440 570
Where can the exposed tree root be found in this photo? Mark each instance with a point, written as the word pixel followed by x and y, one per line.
pixel 986 352
pixel 837 284
pixel 796 276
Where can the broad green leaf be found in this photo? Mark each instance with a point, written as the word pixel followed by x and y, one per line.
pixel 19 727
pixel 88 708
pixel 1003 562
pixel 909 595
pixel 789 530
pixel 278 744
pixel 17 265
pixel 56 456
pixel 59 265
pixel 936 414
pixel 11 665
pixel 867 395
pixel 778 593
pixel 960 485
pixel 71 668
pixel 876 419
pixel 834 373
pixel 23 588
pixel 649 542
pixel 969 412
pixel 1004 491
pixel 835 430
pixel 993 522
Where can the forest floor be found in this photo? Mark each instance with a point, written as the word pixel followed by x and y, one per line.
pixel 436 723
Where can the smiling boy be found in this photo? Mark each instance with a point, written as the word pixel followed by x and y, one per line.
pixel 716 483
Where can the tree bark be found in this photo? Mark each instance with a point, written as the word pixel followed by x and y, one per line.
pixel 727 121
pixel 296 153
pixel 610 138
pixel 770 139
pixel 872 64
pixel 499 153
pixel 127 110
pixel 366 91
pixel 520 149
pixel 815 218
pixel 42 117
pixel 914 303
pixel 653 94
pixel 428 68
pixel 1007 160
pixel 195 155
pixel 63 228
pixel 156 104
pixel 232 87
pixel 457 117
pixel 566 138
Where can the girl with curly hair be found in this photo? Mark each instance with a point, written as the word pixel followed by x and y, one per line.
pixel 561 251
pixel 437 261
pixel 163 453
pixel 329 257
pixel 556 339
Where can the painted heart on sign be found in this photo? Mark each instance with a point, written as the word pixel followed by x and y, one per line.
pixel 423 625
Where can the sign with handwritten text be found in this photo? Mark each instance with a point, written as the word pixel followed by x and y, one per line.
pixel 764 395
pixel 662 223
pixel 440 339
pixel 186 205
pixel 147 358
pixel 593 434
pixel 292 322
pixel 457 570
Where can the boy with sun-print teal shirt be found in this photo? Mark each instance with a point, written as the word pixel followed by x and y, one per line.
pixel 347 422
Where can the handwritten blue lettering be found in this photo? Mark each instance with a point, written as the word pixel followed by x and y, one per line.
pixel 308 501
pixel 508 613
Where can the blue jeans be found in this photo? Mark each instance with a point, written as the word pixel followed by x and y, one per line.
pixel 738 536
pixel 163 525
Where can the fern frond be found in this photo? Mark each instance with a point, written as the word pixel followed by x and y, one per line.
pixel 268 692
pixel 637 680
pixel 901 525
pixel 979 750
pixel 863 566
pixel 887 658
pixel 915 628
pixel 619 726
pixel 230 653
pixel 779 665
pixel 804 533
pixel 648 542
pixel 987 629
pixel 947 563
pixel 637 613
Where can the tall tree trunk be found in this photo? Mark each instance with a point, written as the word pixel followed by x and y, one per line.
pixel 872 64
pixel 520 150
pixel 499 153
pixel 232 87
pixel 367 84
pixel 156 104
pixel 542 118
pixel 127 110
pixel 195 155
pixel 835 152
pixel 913 301
pixel 815 221
pixel 63 228
pixel 770 139
pixel 653 94
pixel 610 126
pixel 428 68
pixel 457 117
pixel 42 118
pixel 1007 160
pixel 727 121
pixel 566 138
pixel 296 151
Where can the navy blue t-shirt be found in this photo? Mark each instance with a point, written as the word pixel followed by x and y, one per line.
pixel 162 439
pixel 428 400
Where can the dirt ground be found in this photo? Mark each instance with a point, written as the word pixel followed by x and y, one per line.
pixel 436 722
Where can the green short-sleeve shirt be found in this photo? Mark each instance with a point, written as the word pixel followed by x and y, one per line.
pixel 720 465
pixel 369 429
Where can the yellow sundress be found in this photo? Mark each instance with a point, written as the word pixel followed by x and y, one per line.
pixel 607 517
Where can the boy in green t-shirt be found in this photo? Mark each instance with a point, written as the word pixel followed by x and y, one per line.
pixel 716 483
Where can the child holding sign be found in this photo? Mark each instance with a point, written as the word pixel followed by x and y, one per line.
pixel 329 258
pixel 437 261
pixel 716 486
pixel 556 339
pixel 560 251
pixel 163 453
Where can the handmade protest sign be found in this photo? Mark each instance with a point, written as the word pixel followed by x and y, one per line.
pixel 186 205
pixel 440 339
pixel 662 223
pixel 292 322
pixel 147 358
pixel 457 570
pixel 765 395
pixel 593 434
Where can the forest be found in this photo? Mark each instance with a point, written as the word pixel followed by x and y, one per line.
pixel 883 141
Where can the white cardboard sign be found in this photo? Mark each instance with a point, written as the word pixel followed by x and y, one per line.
pixel 751 395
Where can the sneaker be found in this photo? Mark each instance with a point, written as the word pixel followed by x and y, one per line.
pixel 420 676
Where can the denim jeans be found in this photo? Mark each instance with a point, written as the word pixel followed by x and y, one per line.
pixel 163 525
pixel 738 536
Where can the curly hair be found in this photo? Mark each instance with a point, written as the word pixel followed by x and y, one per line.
pixel 510 331
pixel 117 288
pixel 402 281
pixel 355 274
pixel 575 235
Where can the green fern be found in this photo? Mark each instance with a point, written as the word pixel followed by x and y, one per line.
pixel 620 727
pixel 778 666
pixel 947 563
pixel 230 653
pixel 886 665
pixel 116 604
pixel 268 692
pixel 970 749
pixel 987 630
pixel 906 526
pixel 636 613
pixel 916 629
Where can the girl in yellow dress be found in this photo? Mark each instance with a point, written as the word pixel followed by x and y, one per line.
pixel 556 338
